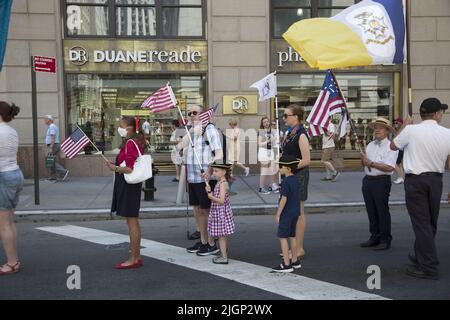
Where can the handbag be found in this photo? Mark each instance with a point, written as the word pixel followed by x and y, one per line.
pixel 265 155
pixel 142 168
pixel 50 161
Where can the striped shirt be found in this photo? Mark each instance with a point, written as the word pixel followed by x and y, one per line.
pixel 204 152
pixel 9 145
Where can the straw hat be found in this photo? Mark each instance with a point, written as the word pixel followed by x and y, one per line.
pixel 225 166
pixel 382 121
pixel 288 160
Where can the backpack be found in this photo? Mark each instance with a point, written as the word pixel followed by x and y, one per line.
pixel 224 143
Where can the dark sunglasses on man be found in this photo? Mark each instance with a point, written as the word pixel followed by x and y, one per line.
pixel 193 113
pixel 285 116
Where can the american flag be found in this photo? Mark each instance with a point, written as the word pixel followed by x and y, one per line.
pixel 329 102
pixel 74 143
pixel 161 100
pixel 205 117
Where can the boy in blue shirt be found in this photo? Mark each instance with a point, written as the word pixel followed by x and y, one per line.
pixel 288 213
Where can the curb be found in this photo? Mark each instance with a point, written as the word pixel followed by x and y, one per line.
pixel 56 215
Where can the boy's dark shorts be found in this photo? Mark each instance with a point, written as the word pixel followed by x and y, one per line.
pixel 198 195
pixel 287 226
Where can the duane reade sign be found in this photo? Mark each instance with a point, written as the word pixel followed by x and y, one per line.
pixel 79 56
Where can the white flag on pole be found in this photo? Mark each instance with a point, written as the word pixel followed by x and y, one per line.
pixel 267 87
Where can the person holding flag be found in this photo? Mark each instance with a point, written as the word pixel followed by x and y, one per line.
pixel 126 201
pixel 206 149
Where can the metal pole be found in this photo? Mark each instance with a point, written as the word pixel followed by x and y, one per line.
pixel 35 133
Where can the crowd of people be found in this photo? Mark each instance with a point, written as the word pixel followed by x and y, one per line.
pixel 425 146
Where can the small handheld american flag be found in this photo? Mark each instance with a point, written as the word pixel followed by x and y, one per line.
pixel 205 117
pixel 163 99
pixel 74 143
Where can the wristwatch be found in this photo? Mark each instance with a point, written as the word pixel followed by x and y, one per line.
pixel 116 169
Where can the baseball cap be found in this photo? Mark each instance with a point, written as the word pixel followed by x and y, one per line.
pixel 50 117
pixel 432 105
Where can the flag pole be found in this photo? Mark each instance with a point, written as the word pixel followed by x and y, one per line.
pixel 408 56
pixel 277 119
pixel 93 144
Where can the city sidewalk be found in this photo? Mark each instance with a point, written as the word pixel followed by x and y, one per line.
pixel 93 195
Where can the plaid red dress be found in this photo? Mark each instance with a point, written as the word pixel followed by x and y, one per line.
pixel 220 220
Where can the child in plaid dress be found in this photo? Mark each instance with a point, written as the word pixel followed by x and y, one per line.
pixel 220 221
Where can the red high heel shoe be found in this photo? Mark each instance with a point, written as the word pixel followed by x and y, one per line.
pixel 14 269
pixel 135 265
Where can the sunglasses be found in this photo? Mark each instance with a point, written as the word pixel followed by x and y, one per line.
pixel 285 116
pixel 193 113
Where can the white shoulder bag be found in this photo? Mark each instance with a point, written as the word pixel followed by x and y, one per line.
pixel 142 168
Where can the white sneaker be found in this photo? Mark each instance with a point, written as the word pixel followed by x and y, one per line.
pixel 65 175
pixel 247 171
pixel 275 188
pixel 399 181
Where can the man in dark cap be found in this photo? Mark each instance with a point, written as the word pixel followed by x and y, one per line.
pixel 426 150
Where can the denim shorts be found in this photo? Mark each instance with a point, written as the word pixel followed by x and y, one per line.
pixel 11 183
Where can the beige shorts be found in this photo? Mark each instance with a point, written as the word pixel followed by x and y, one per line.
pixel 327 154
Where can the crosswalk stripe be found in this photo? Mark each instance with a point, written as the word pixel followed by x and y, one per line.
pixel 289 285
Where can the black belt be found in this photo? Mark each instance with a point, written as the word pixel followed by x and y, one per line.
pixel 380 177
pixel 426 174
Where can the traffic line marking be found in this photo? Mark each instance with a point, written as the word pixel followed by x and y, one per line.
pixel 288 285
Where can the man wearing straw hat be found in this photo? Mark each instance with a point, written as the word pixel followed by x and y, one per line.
pixel 379 164
pixel 53 146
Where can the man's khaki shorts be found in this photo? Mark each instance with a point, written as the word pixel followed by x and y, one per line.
pixel 327 154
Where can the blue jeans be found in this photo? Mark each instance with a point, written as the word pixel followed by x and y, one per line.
pixel 11 183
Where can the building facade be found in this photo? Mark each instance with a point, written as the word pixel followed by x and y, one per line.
pixel 112 54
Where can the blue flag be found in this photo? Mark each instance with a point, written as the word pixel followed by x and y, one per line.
pixel 5 10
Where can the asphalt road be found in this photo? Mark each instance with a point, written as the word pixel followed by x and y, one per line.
pixel 333 256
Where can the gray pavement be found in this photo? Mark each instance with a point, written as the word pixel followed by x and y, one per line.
pixel 94 194
pixel 333 256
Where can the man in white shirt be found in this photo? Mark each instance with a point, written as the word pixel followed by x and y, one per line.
pixel 328 147
pixel 426 150
pixel 53 147
pixel 379 164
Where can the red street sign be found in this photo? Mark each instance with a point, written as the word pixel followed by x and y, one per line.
pixel 44 64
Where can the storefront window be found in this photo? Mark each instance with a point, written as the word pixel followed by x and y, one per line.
pixel 87 20
pixel 369 95
pixel 97 102
pixel 136 21
pixel 182 22
pixel 287 12
pixel 135 18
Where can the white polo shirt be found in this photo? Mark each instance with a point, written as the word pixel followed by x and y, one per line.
pixel 380 152
pixel 426 146
pixel 328 139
